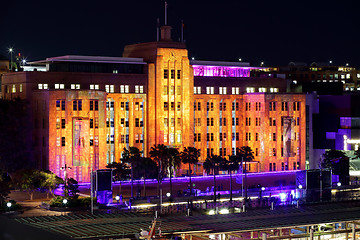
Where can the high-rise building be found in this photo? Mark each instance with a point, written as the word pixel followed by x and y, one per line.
pixel 86 110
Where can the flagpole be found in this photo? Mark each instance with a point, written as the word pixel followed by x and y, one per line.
pixel 165 13
pixel 157 29
pixel 182 30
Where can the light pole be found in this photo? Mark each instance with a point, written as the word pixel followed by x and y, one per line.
pixel 8 204
pixel 65 168
pixel 11 50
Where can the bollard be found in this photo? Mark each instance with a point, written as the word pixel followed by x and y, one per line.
pixel 156 214
pixel 244 210
pixel 297 203
pixel 272 206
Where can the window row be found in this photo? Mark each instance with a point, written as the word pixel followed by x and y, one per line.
pixel 171 90
pixel 172 74
pixel 234 90
pixel 172 106
pixel 172 122
pixel 110 88
pixel 13 88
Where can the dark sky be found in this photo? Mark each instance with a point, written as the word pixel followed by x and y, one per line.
pixel 275 32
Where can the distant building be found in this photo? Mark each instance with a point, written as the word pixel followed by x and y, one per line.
pixel 85 110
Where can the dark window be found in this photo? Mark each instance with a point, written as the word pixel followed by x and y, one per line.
pixel 91 123
pixel 166 73
pixel 63 123
pixel 63 141
pixel 172 74
pixel 178 74
pixel 166 106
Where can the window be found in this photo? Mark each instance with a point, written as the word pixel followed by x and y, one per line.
pixel 178 90
pixel 91 141
pixel 235 90
pixel 63 141
pixel 94 87
pixel 256 136
pixel 172 122
pixel 209 90
pixel 197 90
pixel 43 86
pixel 139 89
pixel 13 88
pixel 257 121
pixel 94 105
pixel 178 106
pixel 250 89
pixel 166 106
pixel 262 89
pixel 272 106
pixel 274 136
pixel 248 106
pixel 172 106
pixel 57 123
pixel 284 106
pixel 77 105
pixel 123 88
pixel 274 89
pixel 178 74
pixel 166 74
pixel 222 90
pixel 172 73
pixel 199 106
pixel 172 90
pixel 91 123
pixel 296 106
pixel 20 88
pixel 75 86
pixel 274 151
pixel 258 106
pixel 63 123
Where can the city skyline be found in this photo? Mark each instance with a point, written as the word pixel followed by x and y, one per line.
pixel 273 33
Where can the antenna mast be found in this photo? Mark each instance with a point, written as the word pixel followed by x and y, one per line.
pixel 166 5
pixel 157 29
pixel 182 30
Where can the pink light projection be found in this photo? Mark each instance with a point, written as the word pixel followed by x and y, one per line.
pixel 221 71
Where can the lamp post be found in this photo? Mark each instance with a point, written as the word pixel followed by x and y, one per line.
pixel 11 50
pixel 9 204
pixel 65 168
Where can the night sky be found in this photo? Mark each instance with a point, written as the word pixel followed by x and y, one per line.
pixel 276 32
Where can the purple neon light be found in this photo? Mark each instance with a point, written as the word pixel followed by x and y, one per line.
pixel 221 71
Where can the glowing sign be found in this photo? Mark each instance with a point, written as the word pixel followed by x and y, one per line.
pixel 221 71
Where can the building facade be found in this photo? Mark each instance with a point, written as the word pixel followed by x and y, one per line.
pixel 86 110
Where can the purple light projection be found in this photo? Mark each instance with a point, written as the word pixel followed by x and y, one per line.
pixel 221 71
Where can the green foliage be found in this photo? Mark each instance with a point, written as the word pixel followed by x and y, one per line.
pixel 330 157
pixel 121 171
pixel 72 188
pixel 14 206
pixel 72 202
pixel 51 182
pixel 29 180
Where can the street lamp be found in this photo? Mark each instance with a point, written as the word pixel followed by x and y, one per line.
pixel 65 175
pixel 168 194
pixel 65 201
pixel 11 50
pixel 9 204
pixel 339 184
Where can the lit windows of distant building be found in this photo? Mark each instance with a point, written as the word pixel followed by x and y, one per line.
pixel 75 86
pixel 209 90
pixel 123 88
pixel 274 90
pixel 59 86
pixel 235 90
pixel 197 90
pixel 222 90
pixel 358 75
pixel 250 89
pixel 94 87
pixel 139 89
pixel 348 76
pixel 20 88
pixel 13 88
pixel 262 89
pixel 42 86
pixel 294 82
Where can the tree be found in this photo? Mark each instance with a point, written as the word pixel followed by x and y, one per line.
pixel 72 188
pixel 247 155
pixel 4 188
pixel 51 182
pixel 131 156
pixel 231 165
pixel 173 162
pixel 145 168
pixel 160 155
pixel 121 171
pixel 213 163
pixel 29 180
pixel 190 155
pixel 338 162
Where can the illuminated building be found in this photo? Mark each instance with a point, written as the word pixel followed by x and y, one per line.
pixel 85 110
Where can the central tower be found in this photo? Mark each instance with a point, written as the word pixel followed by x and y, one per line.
pixel 169 91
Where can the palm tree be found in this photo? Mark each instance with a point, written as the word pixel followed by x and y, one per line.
pixel 131 156
pixel 173 162
pixel 121 172
pixel 190 155
pixel 160 154
pixel 145 168
pixel 247 155
pixel 231 165
pixel 213 163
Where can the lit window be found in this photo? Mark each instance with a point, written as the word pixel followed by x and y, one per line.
pixel 107 88
pixel 262 89
pixel 40 86
pixel 294 82
pixel 13 88
pixel 250 89
pixel 165 138
pixel 209 90
pixel 75 86
pixel 222 90
pixel 197 90
pixel 62 86
pixel 94 87
pixel 112 88
pixel 342 76
pixel 20 88
pixel 358 75
pixel 139 89
pixel 235 90
pixel 274 89
pixel 57 86
pixel 348 76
